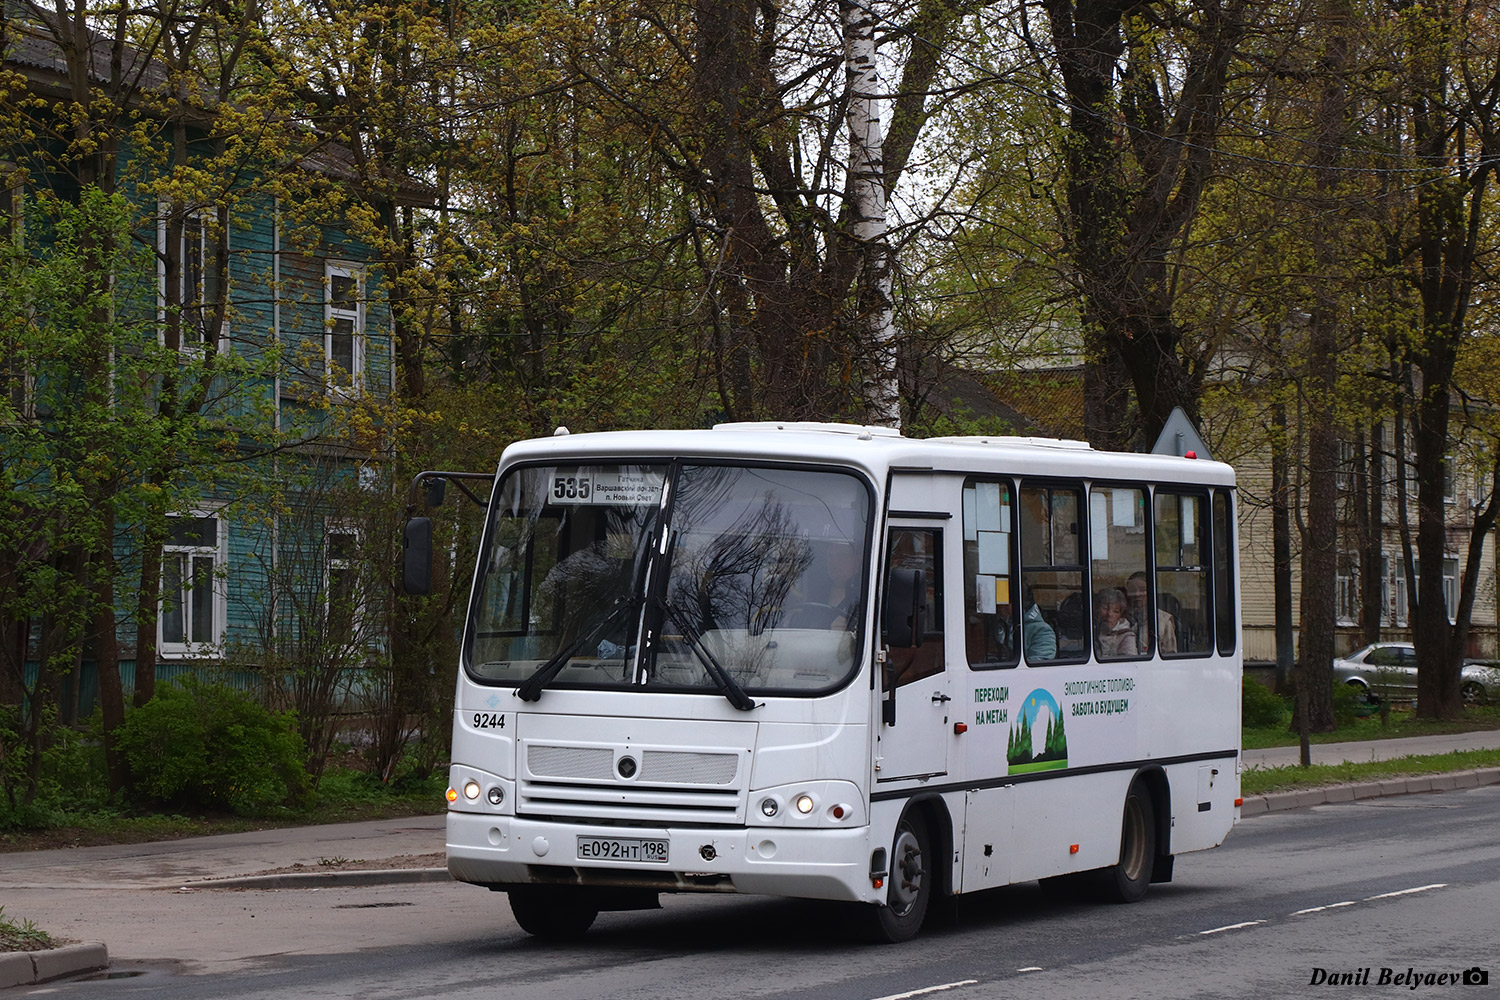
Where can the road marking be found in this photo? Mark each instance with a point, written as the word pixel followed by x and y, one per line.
pixel 1320 909
pixel 1232 927
pixel 929 989
pixel 1408 892
pixel 1031 968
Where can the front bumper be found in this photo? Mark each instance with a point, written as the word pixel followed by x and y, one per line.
pixel 501 851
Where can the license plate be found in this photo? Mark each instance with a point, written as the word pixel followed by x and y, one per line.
pixel 622 849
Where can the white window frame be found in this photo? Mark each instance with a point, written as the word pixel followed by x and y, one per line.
pixel 333 314
pixel 1393 590
pixel 1346 598
pixel 1348 463
pixel 219 602
pixel 348 563
pixel 206 221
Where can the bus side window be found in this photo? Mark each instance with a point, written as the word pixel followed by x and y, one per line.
pixel 1224 573
pixel 990 638
pixel 1181 571
pixel 919 548
pixel 1117 572
pixel 1054 608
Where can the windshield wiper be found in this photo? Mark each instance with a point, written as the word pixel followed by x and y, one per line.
pixel 726 683
pixel 531 688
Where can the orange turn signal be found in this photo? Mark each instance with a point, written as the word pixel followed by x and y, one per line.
pixel 453 795
pixel 1073 849
pixel 959 728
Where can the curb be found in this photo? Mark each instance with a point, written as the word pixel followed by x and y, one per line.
pixel 317 880
pixel 27 968
pixel 1301 799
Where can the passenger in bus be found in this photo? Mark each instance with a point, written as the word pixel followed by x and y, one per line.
pixel 1166 625
pixel 1114 635
pixel 1037 636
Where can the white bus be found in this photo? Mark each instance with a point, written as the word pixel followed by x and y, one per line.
pixel 831 662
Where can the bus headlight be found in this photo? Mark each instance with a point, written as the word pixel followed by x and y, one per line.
pixel 496 795
pixel 805 803
pixel 471 790
pixel 768 807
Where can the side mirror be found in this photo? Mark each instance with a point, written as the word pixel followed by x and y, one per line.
pixel 905 608
pixel 416 544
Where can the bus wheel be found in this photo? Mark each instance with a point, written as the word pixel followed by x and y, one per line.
pixel 552 912
pixel 909 885
pixel 1126 881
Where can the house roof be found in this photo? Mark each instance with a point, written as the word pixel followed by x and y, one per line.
pixel 32 48
pixel 1049 399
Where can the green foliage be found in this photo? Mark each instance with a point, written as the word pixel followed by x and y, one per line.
pixel 21 935
pixel 1263 780
pixel 70 772
pixel 1350 704
pixel 204 746
pixel 1259 706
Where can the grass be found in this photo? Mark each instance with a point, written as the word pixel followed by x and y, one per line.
pixel 21 935
pixel 1397 722
pixel 344 796
pixel 1402 722
pixel 1262 780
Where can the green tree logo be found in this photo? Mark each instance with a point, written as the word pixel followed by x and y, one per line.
pixel 1039 717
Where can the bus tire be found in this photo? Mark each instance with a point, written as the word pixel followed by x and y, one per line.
pixel 1126 881
pixel 551 912
pixel 908 886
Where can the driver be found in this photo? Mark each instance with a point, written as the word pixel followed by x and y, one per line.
pixel 841 596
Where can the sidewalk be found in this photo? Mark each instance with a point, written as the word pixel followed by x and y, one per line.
pixel 1338 753
pixel 401 850
pixel 386 849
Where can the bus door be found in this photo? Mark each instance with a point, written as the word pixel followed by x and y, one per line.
pixel 915 743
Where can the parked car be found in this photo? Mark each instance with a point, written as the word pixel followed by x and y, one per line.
pixel 1389 670
pixel 1380 671
pixel 1480 682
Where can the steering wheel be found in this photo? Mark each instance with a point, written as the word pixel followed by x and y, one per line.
pixel 811 614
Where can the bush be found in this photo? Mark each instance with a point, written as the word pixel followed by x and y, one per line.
pixel 70 774
pixel 1350 704
pixel 1260 708
pixel 206 746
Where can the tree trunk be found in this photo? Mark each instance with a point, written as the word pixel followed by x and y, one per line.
pixel 1372 552
pixel 1281 549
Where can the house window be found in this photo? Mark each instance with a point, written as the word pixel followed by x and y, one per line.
pixel 1347 589
pixel 197 290
pixel 1393 595
pixel 1348 464
pixel 344 339
pixel 341 583
pixel 1397 584
pixel 193 596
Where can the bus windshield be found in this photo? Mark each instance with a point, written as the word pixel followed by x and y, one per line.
pixel 682 577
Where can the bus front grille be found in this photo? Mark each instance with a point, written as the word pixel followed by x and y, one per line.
pixel 666 767
pixel 632 802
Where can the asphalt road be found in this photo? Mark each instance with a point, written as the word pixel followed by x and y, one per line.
pixel 1405 883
